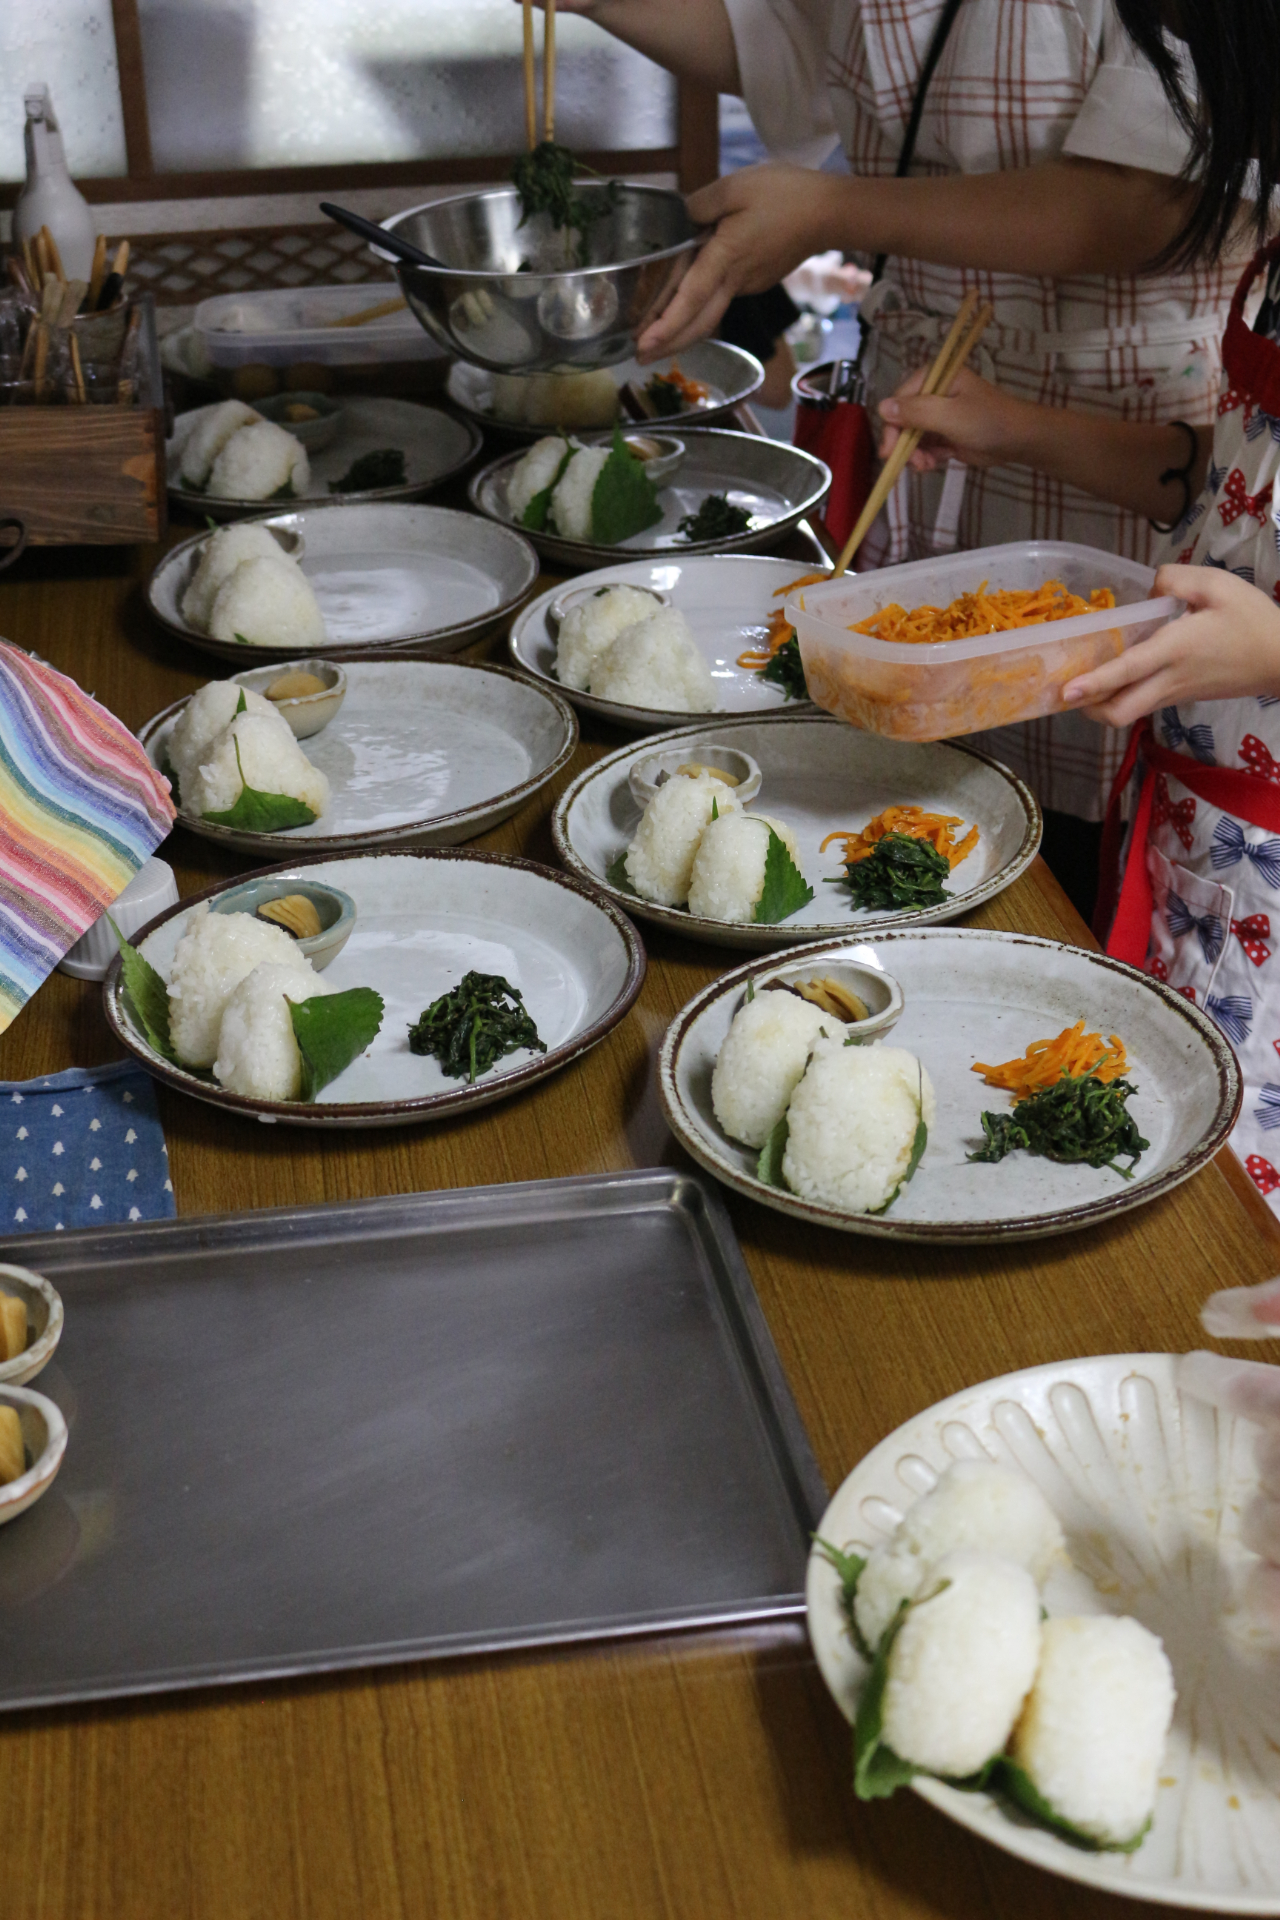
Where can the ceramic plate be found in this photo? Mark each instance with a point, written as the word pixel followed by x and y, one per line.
pixel 1149 1487
pixel 421 751
pixel 776 484
pixel 984 996
pixel 727 603
pixel 435 445
pixel 422 921
pixel 820 777
pixel 388 579
pixel 731 374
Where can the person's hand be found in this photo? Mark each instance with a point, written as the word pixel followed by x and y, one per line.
pixel 1225 647
pixel 767 220
pixel 975 422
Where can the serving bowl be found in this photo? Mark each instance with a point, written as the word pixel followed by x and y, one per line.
pixel 44 1433
pixel 336 911
pixel 44 1323
pixel 512 298
pixel 307 713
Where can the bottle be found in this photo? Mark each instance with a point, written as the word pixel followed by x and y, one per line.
pixel 50 197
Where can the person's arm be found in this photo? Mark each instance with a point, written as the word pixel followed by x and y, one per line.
pixel 1069 216
pixel 692 38
pixel 1116 460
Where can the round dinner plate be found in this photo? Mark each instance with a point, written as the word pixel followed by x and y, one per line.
pixel 730 373
pixel 421 751
pixel 776 484
pixel 727 603
pixel 1150 1487
pixel 819 777
pixel 982 996
pixel 398 579
pixel 423 920
pixel 435 446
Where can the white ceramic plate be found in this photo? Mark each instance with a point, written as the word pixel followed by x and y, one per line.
pixel 731 374
pixel 1149 1487
pixel 820 777
pixel 727 603
pixel 424 919
pixel 398 579
pixel 983 996
pixel 776 484
pixel 435 446
pixel 423 752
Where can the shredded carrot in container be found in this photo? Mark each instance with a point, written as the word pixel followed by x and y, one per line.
pixel 982 612
pixel 936 828
pixel 1045 1061
pixel 780 629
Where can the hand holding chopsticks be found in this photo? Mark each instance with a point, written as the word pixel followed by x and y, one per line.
pixel 966 330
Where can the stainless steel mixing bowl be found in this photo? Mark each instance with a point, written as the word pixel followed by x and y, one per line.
pixel 515 299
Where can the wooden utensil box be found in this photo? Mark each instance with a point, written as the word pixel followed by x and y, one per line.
pixel 90 473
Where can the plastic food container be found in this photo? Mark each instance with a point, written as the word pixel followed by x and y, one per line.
pixel 291 328
pixel 933 691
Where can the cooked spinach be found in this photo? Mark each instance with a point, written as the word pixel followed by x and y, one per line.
pixel 900 873
pixel 716 519
pixel 544 181
pixel 786 670
pixel 471 1027
pixel 664 396
pixel 384 467
pixel 1079 1120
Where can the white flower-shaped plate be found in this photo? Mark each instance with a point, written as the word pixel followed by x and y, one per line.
pixel 1149 1487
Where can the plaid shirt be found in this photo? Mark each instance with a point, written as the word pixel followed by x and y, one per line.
pixel 1019 82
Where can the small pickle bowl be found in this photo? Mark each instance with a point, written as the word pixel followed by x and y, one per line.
pixel 572 597
pixel 312 418
pixel 335 910
pixel 660 453
pixel 830 981
pixel 655 769
pixel 43 1306
pixel 44 1436
pixel 306 712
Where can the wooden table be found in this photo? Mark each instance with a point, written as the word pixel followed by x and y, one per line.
pixel 698 1777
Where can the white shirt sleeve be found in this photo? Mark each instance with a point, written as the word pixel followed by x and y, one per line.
pixel 782 59
pixel 1126 117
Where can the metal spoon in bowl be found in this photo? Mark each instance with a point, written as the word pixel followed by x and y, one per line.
pixel 380 236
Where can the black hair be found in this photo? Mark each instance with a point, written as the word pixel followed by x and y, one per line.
pixel 1233 47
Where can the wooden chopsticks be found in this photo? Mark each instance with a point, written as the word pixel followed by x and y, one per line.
pixel 967 329
pixel 548 75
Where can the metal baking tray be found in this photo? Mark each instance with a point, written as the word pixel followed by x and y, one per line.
pixel 330 1437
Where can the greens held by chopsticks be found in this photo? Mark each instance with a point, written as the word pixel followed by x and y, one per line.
pixel 544 180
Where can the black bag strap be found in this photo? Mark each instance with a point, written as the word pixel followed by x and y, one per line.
pixel 941 33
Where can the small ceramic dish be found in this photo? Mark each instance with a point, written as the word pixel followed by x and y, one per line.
pixel 44 1433
pixel 317 429
pixel 878 991
pixel 337 912
pixel 44 1323
pixel 660 452
pixel 647 775
pixel 574 596
pixel 307 713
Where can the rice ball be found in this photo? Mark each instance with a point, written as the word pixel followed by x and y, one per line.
pixel 852 1123
pixel 258 462
pixel 268 602
pixel 213 956
pixel 257 1050
pixel 590 625
pixel 976 1504
pixel 570 512
pixel 220 555
pixel 655 663
pixel 510 396
pixel 1093 1731
pixel 268 758
pixel 535 472
pixel 660 858
pixel 576 400
pixel 203 718
pixel 728 868
pixel 761 1060
pixel 209 436
pixel 962 1665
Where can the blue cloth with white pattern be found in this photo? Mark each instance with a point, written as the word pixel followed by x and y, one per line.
pixel 82 1149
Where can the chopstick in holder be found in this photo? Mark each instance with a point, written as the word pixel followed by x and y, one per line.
pixel 121 261
pixel 98 272
pixel 77 370
pixel 69 305
pixel 33 270
pixel 955 350
pixel 530 94
pixel 54 256
pixel 549 70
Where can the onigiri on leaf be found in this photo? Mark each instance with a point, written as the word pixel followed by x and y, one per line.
pixel 147 995
pixel 331 1031
pixel 878 1772
pixel 258 812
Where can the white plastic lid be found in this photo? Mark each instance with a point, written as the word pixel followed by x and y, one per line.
pixel 151 890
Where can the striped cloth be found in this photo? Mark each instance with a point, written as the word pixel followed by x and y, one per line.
pixel 81 809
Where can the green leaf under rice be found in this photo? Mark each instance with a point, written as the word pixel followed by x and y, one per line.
pixel 258 812
pixel 878 1772
pixel 616 874
pixel 624 500
pixel 331 1030
pixel 919 1141
pixel 785 887
pixel 769 1165
pixel 147 995
pixel 1013 1780
pixel 534 516
pixel 849 1566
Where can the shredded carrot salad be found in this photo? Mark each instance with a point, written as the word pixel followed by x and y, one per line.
pixel 983 612
pixel 692 391
pixel 780 629
pixel 1045 1061
pixel 936 828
